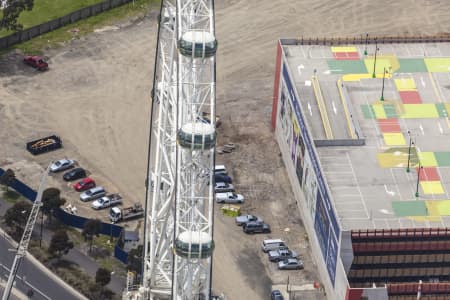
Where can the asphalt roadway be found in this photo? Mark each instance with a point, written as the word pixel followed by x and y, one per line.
pixel 32 275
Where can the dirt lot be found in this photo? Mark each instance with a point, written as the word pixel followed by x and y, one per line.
pixel 96 97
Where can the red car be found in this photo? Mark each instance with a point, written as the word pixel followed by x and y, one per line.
pixel 36 62
pixel 84 184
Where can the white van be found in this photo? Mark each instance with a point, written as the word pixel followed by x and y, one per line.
pixel 220 169
pixel 273 244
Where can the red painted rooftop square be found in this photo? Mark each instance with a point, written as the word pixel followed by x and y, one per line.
pixel 410 97
pixel 346 55
pixel 428 174
pixel 389 125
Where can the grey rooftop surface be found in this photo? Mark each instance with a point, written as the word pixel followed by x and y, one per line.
pixel 369 184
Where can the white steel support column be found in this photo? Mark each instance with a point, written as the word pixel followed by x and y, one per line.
pixel 161 177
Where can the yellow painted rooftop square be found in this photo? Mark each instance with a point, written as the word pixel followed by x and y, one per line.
pixel 432 187
pixel 437 64
pixel 438 207
pixel 420 111
pixel 405 84
pixel 427 159
pixel 379 111
pixel 394 139
pixel 381 65
pixel 390 160
pixel 343 49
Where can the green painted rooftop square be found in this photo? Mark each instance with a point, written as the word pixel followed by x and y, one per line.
pixel 412 65
pixel 346 66
pixel 368 111
pixel 390 111
pixel 409 208
pixel 442 158
pixel 442 110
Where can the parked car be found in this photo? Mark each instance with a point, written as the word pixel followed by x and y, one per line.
pixel 273 244
pixel 222 187
pixel 36 62
pixel 61 165
pixel 220 169
pixel 276 295
pixel 84 184
pixel 290 264
pixel 241 220
pixel 229 198
pixel 281 254
pixel 74 174
pixel 92 194
pixel 107 201
pixel 222 178
pixel 256 227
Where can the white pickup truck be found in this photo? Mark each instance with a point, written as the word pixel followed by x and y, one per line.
pixel 107 201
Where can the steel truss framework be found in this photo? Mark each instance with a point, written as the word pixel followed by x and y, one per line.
pixel 179 197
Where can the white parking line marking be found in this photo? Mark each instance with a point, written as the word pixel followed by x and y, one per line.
pixel 334 107
pixel 310 109
pixel 392 193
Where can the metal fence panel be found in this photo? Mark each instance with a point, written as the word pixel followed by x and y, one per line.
pixel 120 254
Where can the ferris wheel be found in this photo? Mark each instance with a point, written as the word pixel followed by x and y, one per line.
pixel 178 242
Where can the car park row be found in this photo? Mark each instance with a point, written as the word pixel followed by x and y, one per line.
pixel 276 249
pixel 89 191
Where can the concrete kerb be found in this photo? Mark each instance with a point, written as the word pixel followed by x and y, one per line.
pixel 45 269
pixel 16 294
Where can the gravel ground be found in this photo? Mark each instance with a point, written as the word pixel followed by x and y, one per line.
pixel 96 97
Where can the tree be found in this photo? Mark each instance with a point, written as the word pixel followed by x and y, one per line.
pixel 90 229
pixel 16 217
pixel 18 213
pixel 7 178
pixel 11 12
pixel 60 244
pixel 134 261
pixel 50 201
pixel 102 277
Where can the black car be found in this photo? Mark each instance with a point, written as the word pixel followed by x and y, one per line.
pixel 74 174
pixel 256 227
pixel 276 295
pixel 222 178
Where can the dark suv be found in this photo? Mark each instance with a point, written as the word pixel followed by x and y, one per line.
pixel 256 227
pixel 74 174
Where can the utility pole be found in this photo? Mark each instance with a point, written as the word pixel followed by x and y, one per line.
pixel 409 151
pixel 418 178
pixel 375 59
pixel 382 88
pixel 26 236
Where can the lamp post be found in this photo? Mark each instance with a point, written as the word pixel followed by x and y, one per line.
pixel 382 88
pixel 375 59
pixel 367 39
pixel 409 151
pixel 418 177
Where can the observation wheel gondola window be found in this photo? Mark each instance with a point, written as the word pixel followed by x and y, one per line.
pixel 197 44
pixel 197 135
pixel 194 244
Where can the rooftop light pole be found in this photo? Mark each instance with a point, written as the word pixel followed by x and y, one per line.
pixel 418 177
pixel 382 88
pixel 409 151
pixel 367 40
pixel 375 59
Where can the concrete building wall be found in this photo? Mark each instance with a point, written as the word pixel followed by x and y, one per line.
pixel 309 187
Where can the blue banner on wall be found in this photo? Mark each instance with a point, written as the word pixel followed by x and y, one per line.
pixel 325 221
